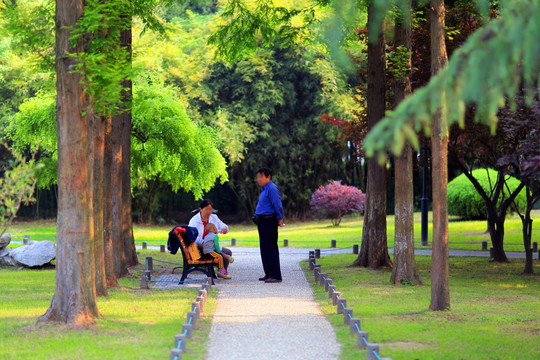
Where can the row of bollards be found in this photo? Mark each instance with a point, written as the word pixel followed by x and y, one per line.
pixel 341 307
pixel 197 307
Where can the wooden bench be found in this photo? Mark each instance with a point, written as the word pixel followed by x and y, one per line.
pixel 193 260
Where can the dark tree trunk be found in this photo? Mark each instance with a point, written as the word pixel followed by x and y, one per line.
pixel 127 223
pixel 107 207
pixel 74 301
pixel 440 293
pixel 404 263
pixel 374 249
pixel 527 222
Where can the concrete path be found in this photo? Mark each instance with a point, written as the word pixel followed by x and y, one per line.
pixel 254 320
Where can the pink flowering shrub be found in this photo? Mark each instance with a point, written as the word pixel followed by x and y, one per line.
pixel 335 200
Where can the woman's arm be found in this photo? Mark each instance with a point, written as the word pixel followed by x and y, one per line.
pixel 221 226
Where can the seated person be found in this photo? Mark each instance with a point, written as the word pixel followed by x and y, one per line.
pixel 211 247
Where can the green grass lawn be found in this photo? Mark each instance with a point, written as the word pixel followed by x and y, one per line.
pixel 494 311
pixel 463 234
pixel 135 323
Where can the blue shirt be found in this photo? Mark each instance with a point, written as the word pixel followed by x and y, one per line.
pixel 270 201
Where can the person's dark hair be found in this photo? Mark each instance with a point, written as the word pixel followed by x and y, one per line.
pixel 267 172
pixel 205 203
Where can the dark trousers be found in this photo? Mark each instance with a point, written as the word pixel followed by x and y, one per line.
pixel 268 239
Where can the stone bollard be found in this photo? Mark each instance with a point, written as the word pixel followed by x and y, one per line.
pixel 484 245
pixel 355 249
pixel 322 278
pixel 207 287
pixel 491 252
pixel 180 342
pixel 148 275
pixel 144 284
pixel 311 253
pixel 200 300
pixel 354 325
pixel 327 283
pixel 210 282
pixel 26 239
pixel 161 248
pixel 188 330
pixel 331 290
pixel 371 348
pixel 333 243
pixel 347 315
pixel 311 263
pixel 204 294
pixel 144 245
pixel 192 319
pixel 176 354
pixel 535 246
pixel 317 253
pixel 285 242
pixel 149 263
pixel 316 270
pixel 196 307
pixel 233 242
pixel 360 337
pixel 341 304
pixel 335 297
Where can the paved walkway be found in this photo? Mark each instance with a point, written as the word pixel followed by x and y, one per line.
pixel 269 321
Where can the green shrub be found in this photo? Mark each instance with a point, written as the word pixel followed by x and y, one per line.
pixel 464 201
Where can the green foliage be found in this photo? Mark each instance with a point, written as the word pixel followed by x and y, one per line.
pixel 16 187
pixel 464 201
pixel 484 72
pixel 168 145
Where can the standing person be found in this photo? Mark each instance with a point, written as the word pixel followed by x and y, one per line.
pixel 268 216
pixel 204 217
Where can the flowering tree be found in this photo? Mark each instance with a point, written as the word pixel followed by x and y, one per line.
pixel 335 200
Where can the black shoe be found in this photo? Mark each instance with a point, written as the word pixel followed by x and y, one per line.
pixel 272 281
pixel 263 278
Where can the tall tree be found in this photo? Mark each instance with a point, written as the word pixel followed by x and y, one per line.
pixel 74 301
pixel 404 264
pixel 440 292
pixel 374 248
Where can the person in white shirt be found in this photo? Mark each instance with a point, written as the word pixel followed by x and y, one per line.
pixel 203 218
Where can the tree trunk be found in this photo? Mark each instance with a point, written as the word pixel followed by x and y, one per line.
pixel 440 293
pixel 99 150
pixel 108 246
pixel 527 232
pixel 404 264
pixel 74 301
pixel 127 223
pixel 374 249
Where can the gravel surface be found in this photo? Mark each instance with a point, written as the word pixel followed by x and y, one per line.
pixel 269 321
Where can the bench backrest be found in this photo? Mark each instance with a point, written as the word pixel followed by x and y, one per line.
pixel 191 252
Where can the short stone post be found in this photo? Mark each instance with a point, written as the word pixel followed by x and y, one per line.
pixel 335 297
pixel 535 246
pixel 180 342
pixel 176 354
pixel 233 242
pixel 316 270
pixel 355 249
pixel 149 263
pixel 347 315
pixel 203 293
pixel 188 330
pixel 144 284
pixel 354 325
pixel 197 309
pixel 371 348
pixel 311 253
pixel 333 243
pixel 200 301
pixel 144 245
pixel 341 304
pixel 207 287
pixel 148 275
pixel 317 253
pixel 484 245
pixel 192 319
pixel 285 242
pixel 327 283
pixel 362 339
pixel 26 239
pixel 311 263
pixel 322 278
pixel 161 248
pixel 331 290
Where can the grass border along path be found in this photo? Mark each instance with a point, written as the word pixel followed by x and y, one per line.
pixel 136 324
pixel 494 310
